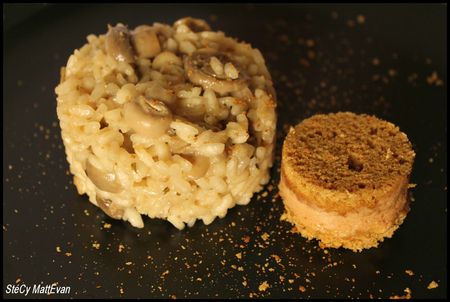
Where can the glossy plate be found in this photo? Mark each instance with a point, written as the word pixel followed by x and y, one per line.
pixel 387 60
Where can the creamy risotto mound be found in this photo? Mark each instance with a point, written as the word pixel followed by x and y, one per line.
pixel 174 122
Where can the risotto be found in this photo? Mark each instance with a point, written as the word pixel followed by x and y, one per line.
pixel 174 122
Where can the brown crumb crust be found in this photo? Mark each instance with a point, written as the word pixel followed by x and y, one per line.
pixel 347 152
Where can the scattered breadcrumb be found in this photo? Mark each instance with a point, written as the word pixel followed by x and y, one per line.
pixel 68 254
pixel 360 19
pixel 409 272
pixel 392 72
pixel 129 263
pixel 276 257
pixel 121 248
pixel 58 249
pixel 375 61
pixel 239 255
pixel 107 226
pixel 311 55
pixel 263 286
pixel 96 245
pixel 18 280
pixel 406 296
pixel 434 79
pixel 302 288
pixel 433 284
pixel 164 273
pixel 265 236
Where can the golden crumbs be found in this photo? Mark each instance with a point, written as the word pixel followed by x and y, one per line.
pixel 265 236
pixel 310 43
pixel 375 61
pixel 276 257
pixel 263 286
pixel 434 79
pixel 164 273
pixel 433 284
pixel 360 19
pixel 406 296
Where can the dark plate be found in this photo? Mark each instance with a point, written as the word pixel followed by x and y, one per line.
pixel 323 59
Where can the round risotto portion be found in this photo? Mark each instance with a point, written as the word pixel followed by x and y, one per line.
pixel 174 122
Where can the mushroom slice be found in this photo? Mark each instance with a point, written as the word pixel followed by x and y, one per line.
pixel 110 208
pixel 200 165
pixel 105 181
pixel 200 72
pixel 146 41
pixel 196 25
pixel 149 117
pixel 117 43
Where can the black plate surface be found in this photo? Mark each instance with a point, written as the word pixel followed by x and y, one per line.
pixel 387 60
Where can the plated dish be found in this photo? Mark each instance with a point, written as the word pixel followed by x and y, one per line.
pixel 320 62
pixel 178 122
